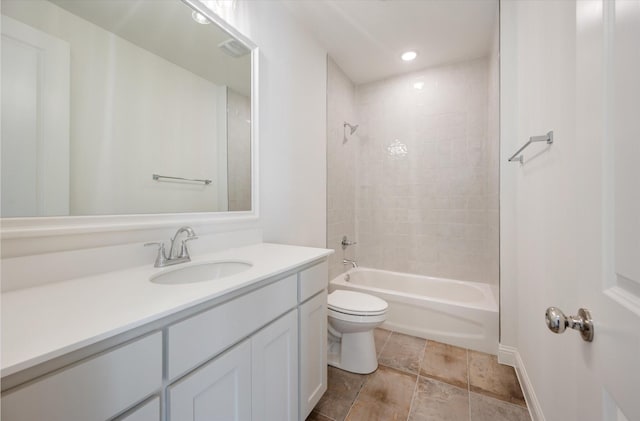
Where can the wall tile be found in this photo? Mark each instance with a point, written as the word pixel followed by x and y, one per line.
pixel 418 183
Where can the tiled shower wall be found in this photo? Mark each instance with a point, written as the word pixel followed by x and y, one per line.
pixel 239 151
pixel 417 184
pixel 423 170
pixel 341 161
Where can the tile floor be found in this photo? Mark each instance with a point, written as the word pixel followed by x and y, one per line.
pixel 417 380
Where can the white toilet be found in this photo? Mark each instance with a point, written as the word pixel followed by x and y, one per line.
pixel 352 318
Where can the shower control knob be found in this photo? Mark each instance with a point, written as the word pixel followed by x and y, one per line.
pixel 557 322
pixel 345 242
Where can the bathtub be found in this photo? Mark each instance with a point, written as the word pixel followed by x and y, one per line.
pixel 459 313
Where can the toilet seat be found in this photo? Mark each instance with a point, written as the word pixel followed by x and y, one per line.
pixel 354 318
pixel 356 303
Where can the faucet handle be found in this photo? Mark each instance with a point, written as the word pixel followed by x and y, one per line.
pixel 161 258
pixel 345 242
pixel 184 251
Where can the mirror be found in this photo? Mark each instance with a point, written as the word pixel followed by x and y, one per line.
pixel 113 107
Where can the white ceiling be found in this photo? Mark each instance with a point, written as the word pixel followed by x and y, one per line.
pixel 366 37
pixel 166 29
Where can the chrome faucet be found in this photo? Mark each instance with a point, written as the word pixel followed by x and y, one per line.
pixel 350 262
pixel 346 243
pixel 177 253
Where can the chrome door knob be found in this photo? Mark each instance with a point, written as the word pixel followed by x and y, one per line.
pixel 557 322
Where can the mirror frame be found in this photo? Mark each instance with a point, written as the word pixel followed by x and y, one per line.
pixel 32 227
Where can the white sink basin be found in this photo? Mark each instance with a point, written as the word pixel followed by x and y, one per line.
pixel 200 272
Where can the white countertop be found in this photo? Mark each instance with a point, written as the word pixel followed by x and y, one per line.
pixel 45 322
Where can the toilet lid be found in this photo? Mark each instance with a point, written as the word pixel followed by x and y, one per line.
pixel 351 302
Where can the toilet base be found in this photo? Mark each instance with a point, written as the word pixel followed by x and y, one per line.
pixel 354 352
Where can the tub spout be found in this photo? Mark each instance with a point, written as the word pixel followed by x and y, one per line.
pixel 350 262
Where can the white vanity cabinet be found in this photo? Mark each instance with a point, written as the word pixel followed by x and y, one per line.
pixel 218 391
pixel 96 389
pixel 146 411
pixel 254 380
pixel 274 370
pixel 258 355
pixel 312 288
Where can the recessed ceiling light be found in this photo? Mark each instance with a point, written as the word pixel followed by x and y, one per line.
pixel 409 55
pixel 200 18
pixel 418 85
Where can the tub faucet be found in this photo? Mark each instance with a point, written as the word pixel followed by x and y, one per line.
pixel 353 263
pixel 177 253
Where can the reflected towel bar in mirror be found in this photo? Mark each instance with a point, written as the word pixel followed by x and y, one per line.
pixel 548 138
pixel 158 177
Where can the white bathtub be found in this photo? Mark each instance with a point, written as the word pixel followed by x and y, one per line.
pixel 459 313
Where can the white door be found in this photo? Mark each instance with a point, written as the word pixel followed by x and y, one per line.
pixel 576 214
pixel 614 294
pixel 313 352
pixel 274 368
pixel 218 391
pixel 35 122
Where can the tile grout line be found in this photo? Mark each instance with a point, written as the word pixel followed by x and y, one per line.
pixel 367 378
pixel 356 398
pixel 415 388
pixel 384 344
pixel 326 416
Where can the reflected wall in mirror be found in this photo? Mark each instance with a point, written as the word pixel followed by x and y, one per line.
pixel 98 96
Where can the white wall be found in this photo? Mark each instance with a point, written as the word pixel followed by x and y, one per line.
pixel 133 114
pixel 508 145
pixel 293 79
pixel 550 205
pixel 428 212
pixel 493 156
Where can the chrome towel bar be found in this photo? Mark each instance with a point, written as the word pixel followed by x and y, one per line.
pixel 157 177
pixel 548 138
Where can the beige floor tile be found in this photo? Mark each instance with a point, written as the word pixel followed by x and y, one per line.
pixel 484 408
pixel 342 389
pixel 375 411
pixel 437 401
pixel 380 337
pixel 446 363
pixel 488 377
pixel 316 416
pixel 403 352
pixel 386 395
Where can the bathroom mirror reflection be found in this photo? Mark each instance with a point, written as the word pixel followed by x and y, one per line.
pixel 122 107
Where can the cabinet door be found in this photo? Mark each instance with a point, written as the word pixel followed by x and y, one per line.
pixel 147 411
pixel 313 352
pixel 274 352
pixel 218 391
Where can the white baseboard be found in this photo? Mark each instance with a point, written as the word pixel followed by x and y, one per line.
pixel 509 355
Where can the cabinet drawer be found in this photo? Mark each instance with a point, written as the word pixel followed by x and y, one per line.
pixel 312 280
pixel 96 389
pixel 199 338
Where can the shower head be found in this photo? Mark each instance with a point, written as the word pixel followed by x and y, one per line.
pixel 352 127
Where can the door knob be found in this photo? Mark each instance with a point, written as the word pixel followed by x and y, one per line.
pixel 557 322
